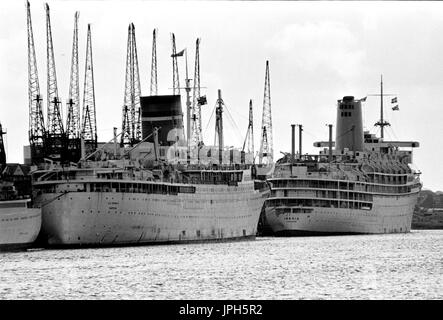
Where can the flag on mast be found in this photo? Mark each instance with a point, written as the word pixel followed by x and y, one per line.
pixel 396 108
pixel 394 100
pixel 363 99
pixel 179 54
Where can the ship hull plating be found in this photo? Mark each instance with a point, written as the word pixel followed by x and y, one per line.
pixel 388 215
pixel 112 218
pixel 19 227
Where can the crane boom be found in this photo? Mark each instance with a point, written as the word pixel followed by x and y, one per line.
pixel 37 129
pixel 154 88
pixel 131 123
pixel 55 124
pixel 89 126
pixel 73 109
pixel 175 77
pixel 266 147
pixel 249 140
pixel 197 137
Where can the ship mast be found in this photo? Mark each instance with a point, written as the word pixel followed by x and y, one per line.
pixel 219 126
pixel 188 108
pixel 2 147
pixel 381 123
pixel 381 107
pixel 249 140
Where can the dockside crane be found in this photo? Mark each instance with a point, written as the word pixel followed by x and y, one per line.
pixel 136 91
pixel 127 123
pixel 55 135
pixel 89 125
pixel 73 103
pixel 175 77
pixel 154 87
pixel 131 123
pixel 266 155
pixel 37 130
pixel 198 101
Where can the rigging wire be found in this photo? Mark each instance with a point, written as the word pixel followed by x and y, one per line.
pixel 392 127
pixel 311 134
pixel 232 120
pixel 240 115
pixel 209 121
pixel 377 131
pixel 344 133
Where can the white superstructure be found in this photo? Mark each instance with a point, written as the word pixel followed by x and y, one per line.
pixel 364 186
pixel 340 198
pixel 115 203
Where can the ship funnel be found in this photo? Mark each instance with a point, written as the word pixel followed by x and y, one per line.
pixel 349 129
pixel 165 112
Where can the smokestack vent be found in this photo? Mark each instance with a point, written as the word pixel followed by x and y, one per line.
pixel 349 128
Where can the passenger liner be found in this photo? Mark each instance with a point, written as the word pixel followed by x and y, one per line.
pixel 116 202
pixel 364 186
pixel 19 224
pixel 128 200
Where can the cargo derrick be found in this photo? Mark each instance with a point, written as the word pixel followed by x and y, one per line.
pixel 73 107
pixel 36 120
pixel 136 91
pixel 154 88
pixel 249 140
pixel 55 135
pixel 175 77
pixel 198 101
pixel 89 126
pixel 266 155
pixel 131 123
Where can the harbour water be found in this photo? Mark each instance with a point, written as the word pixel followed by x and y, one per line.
pixel 396 266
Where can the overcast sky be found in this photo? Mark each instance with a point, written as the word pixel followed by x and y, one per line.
pixel 318 53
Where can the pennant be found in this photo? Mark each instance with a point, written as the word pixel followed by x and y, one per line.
pixel 363 99
pixel 394 100
pixel 180 54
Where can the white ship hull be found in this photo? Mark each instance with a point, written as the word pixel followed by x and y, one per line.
pixel 388 215
pixel 19 225
pixel 112 218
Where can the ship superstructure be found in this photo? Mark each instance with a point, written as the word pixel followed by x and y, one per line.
pixel 364 185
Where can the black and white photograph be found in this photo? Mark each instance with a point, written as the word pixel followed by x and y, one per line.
pixel 235 151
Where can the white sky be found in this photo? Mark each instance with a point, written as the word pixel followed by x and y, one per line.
pixel 318 53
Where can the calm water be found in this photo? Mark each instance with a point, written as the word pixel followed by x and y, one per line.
pixel 400 266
